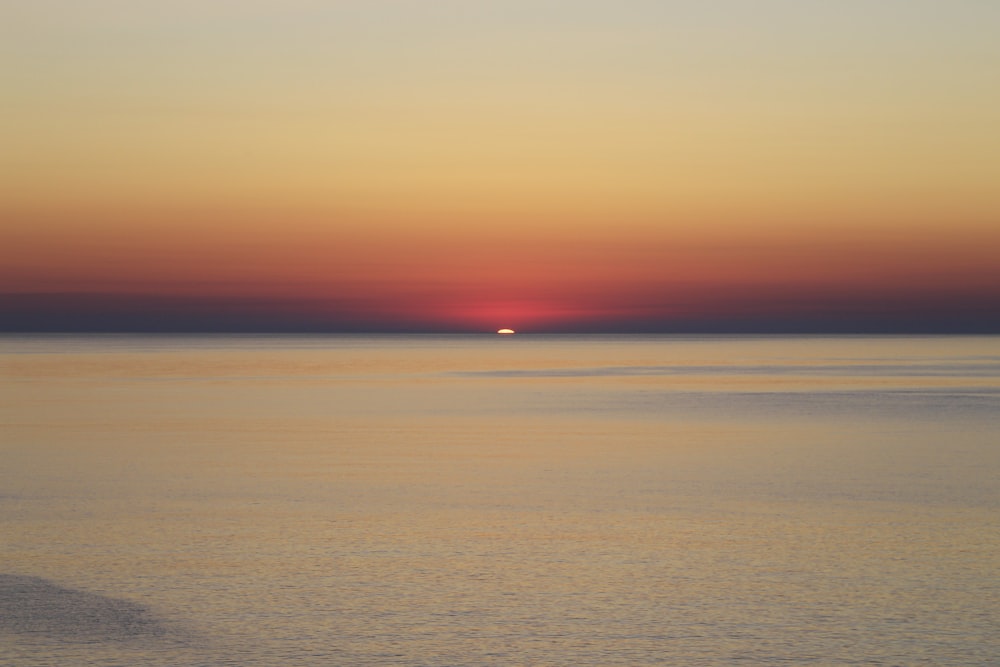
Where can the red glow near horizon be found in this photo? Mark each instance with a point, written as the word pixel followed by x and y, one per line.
pixel 103 278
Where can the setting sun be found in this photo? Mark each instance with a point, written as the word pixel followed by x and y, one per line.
pixel 405 167
pixel 505 331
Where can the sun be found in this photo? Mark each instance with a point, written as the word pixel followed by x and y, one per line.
pixel 505 332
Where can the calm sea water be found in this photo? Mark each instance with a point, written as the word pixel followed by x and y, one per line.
pixel 486 500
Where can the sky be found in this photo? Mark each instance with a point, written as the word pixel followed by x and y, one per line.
pixel 463 165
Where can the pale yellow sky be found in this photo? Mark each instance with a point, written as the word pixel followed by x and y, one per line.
pixel 687 110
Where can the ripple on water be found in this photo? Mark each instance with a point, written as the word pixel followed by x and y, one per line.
pixel 36 606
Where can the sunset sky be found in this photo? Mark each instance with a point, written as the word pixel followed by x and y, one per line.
pixel 463 165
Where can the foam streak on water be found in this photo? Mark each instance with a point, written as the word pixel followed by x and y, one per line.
pixel 488 500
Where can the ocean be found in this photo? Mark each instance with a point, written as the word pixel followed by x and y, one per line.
pixel 499 500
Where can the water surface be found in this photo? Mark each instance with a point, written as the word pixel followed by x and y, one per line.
pixel 486 500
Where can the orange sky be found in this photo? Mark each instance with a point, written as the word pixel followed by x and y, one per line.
pixel 392 165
